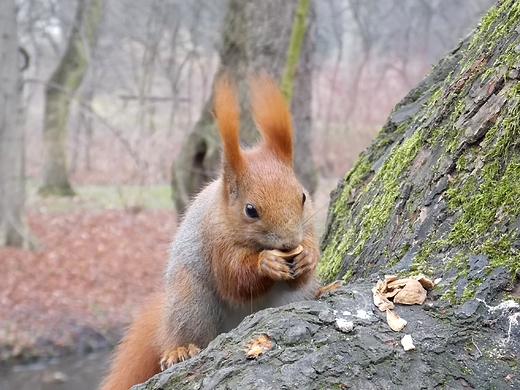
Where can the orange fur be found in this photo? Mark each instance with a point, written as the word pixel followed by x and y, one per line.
pixel 227 119
pixel 137 356
pixel 236 270
pixel 272 117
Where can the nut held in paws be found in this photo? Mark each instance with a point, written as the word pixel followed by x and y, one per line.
pixel 288 255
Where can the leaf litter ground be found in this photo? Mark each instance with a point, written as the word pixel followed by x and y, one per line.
pixel 92 272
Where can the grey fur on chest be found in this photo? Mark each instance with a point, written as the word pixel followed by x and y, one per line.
pixel 280 294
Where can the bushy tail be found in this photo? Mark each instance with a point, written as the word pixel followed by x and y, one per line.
pixel 137 357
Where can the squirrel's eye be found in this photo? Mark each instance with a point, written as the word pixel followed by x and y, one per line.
pixel 304 198
pixel 251 211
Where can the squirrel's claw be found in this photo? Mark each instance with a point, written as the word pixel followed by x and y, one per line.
pixel 273 266
pixel 179 354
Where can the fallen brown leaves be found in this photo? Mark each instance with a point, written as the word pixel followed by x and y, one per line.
pixel 258 346
pixel 93 271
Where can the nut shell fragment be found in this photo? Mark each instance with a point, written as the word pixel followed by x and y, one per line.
pixel 381 301
pixel 395 322
pixel 407 342
pixel 398 283
pixel 390 278
pixel 427 283
pixel 392 293
pixel 411 294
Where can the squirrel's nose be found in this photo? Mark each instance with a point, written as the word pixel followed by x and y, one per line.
pixel 287 247
pixel 290 244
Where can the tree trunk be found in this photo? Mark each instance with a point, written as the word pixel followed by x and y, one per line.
pixel 438 190
pixel 438 193
pixel 13 229
pixel 255 37
pixel 293 52
pixel 61 87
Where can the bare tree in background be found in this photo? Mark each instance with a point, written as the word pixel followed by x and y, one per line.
pixel 255 37
pixel 13 230
pixel 61 87
pixel 369 54
pixel 151 74
pixel 293 51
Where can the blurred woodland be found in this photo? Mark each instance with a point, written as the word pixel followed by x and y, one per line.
pixel 140 81
pixel 151 70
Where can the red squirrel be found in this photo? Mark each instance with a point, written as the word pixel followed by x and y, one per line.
pixel 247 242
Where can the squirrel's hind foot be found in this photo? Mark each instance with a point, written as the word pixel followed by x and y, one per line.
pixel 176 355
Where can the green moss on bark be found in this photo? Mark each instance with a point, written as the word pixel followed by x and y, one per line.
pixel 334 255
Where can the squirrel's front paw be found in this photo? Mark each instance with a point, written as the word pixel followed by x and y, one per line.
pixel 179 354
pixel 305 262
pixel 278 265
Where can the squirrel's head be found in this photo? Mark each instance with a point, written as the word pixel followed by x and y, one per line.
pixel 263 202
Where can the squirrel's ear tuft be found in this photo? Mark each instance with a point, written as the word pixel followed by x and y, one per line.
pixel 272 116
pixel 227 119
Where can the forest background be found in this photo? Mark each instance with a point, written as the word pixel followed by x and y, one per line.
pixel 149 75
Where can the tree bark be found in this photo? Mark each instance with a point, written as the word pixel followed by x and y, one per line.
pixel 13 229
pixel 61 87
pixel 341 342
pixel 436 193
pixel 255 37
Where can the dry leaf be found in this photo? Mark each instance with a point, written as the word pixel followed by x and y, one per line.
pixel 411 294
pixel 407 342
pixel 329 287
pixel 37 287
pixel 395 322
pixel 258 346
